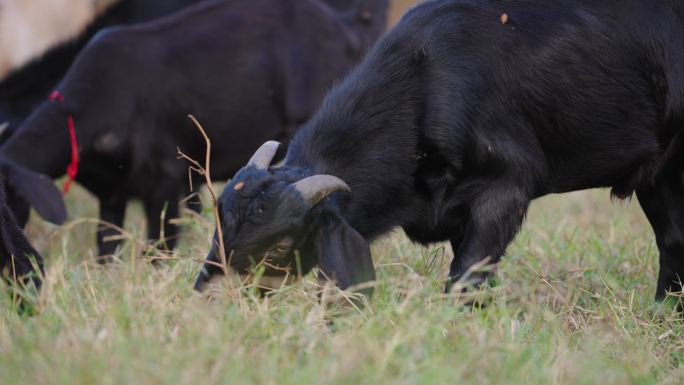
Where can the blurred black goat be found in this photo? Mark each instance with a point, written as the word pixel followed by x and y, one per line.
pixel 17 257
pixel 26 87
pixel 249 70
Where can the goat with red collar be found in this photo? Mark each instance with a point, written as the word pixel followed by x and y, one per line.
pixel 249 70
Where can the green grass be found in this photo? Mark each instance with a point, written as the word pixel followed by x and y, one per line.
pixel 573 305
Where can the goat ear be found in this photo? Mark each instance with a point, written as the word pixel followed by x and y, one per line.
pixel 39 191
pixel 343 254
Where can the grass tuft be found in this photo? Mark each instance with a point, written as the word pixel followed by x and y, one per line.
pixel 572 304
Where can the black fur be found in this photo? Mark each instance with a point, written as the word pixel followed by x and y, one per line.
pixel 26 87
pixel 17 256
pixel 18 259
pixel 249 70
pixel 455 121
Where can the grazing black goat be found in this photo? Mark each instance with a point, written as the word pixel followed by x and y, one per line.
pixel 249 70
pixel 456 120
pixel 16 252
pixel 26 87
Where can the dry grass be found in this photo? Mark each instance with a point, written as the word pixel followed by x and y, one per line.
pixel 573 306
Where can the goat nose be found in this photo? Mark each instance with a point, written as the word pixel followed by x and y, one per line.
pixel 211 267
pixel 202 279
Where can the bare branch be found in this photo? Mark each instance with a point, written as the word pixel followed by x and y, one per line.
pixel 206 172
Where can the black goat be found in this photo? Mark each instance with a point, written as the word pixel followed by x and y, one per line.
pixel 459 118
pixel 249 70
pixel 26 87
pixel 16 252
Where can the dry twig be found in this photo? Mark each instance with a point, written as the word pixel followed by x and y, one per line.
pixel 205 171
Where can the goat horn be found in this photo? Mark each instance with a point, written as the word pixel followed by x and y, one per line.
pixel 316 188
pixel 263 157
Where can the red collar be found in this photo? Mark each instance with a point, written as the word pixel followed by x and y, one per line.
pixel 72 169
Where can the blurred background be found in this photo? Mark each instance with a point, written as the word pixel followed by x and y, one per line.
pixel 29 27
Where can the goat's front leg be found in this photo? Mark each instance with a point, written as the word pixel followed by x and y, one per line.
pixel 112 212
pixel 663 204
pixel 495 216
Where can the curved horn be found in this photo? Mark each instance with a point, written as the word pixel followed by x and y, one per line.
pixel 263 157
pixel 316 188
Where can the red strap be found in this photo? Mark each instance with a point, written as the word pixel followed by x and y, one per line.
pixel 72 169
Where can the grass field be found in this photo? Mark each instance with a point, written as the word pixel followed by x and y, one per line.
pixel 573 305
